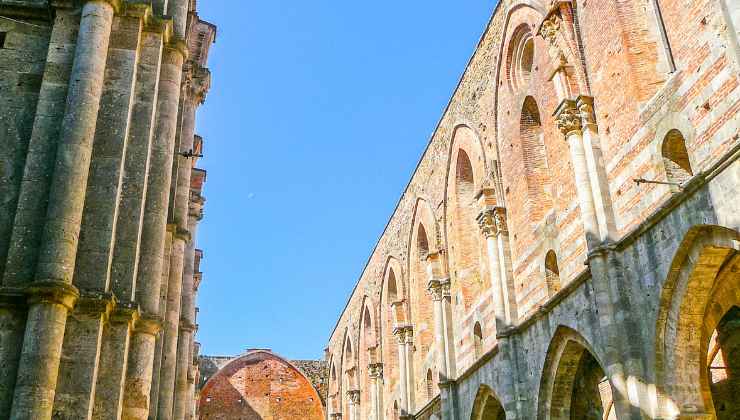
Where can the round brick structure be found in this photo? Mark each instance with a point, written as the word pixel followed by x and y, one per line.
pixel 259 385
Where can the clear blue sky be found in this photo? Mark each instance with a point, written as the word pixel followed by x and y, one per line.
pixel 318 114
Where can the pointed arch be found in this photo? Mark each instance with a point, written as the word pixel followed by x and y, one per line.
pixel 701 289
pixel 487 406
pixel 536 171
pixel 393 311
pixel 368 352
pixel 466 172
pixel 573 382
pixel 424 239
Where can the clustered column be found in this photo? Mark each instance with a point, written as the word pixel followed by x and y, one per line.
pixel 405 336
pixel 85 256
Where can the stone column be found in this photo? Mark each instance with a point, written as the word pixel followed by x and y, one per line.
pixel 400 332
pixel 408 337
pixel 569 122
pixel 375 371
pixel 435 287
pixel 139 372
pixel 180 209
pixel 596 168
pixel 39 362
pixel 487 223
pixel 354 404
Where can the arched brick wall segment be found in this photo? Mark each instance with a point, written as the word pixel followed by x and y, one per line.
pixel 259 385
pixel 566 352
pixel 702 285
pixel 393 288
pixel 487 406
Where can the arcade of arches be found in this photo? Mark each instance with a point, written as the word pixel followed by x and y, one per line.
pixel 569 245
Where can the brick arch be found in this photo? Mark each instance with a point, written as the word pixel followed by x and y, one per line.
pixel 334 387
pixel 466 173
pixel 368 352
pixel 703 284
pixel 238 390
pixel 487 406
pixel 390 316
pixel 424 239
pixel 570 361
pixel 349 366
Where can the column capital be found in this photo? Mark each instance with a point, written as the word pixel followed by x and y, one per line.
pixel 148 324
pixel 375 370
pixel 404 334
pixel 96 304
pixel 568 117
pixel 585 106
pixel 336 416
pixel 438 288
pixel 354 396
pixel 53 292
pixel 550 27
pixel 492 221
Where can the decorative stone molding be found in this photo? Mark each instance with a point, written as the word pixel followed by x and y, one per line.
pixel 12 298
pixel 568 117
pixel 354 396
pixel 52 292
pixel 125 312
pixel 487 223
pixel 179 232
pixel 375 370
pixel 186 325
pixel 336 416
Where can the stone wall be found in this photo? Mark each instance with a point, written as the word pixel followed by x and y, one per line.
pixel 100 206
pixel 523 221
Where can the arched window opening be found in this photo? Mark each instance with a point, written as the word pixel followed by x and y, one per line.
pixel 520 58
pixel 478 340
pixel 552 272
pixel 723 365
pixel 536 173
pixel 430 384
pixel 676 158
pixel 392 288
pixel 422 315
pixel 465 252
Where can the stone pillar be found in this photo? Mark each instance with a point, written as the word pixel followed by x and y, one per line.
pixel 408 337
pixel 139 372
pixel 113 362
pixel 12 323
pixel 157 365
pixel 596 169
pixel 569 123
pixel 375 371
pixel 354 404
pixel 400 332
pixel 187 318
pixel 487 224
pixel 40 358
pixel 79 366
pixel 178 9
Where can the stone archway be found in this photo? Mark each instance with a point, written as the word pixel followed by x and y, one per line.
pixel 487 406
pixel 697 327
pixel 574 385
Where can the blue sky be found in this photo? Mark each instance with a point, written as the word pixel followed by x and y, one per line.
pixel 318 114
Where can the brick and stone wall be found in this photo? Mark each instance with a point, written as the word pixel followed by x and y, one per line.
pixel 261 385
pixel 523 244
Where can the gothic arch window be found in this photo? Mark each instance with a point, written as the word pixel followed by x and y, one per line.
pixel 676 157
pixel 478 340
pixel 520 58
pixel 552 272
pixel 537 176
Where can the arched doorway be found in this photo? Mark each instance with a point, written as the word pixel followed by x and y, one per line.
pixel 574 385
pixel 698 332
pixel 487 406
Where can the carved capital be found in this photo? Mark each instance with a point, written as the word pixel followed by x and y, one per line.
pixel 52 292
pixel 336 416
pixel 353 396
pixel 125 312
pixel 439 289
pixel 404 334
pixel 375 370
pixel 585 106
pixel 487 222
pixel 550 27
pixel 568 117
pixel 95 304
